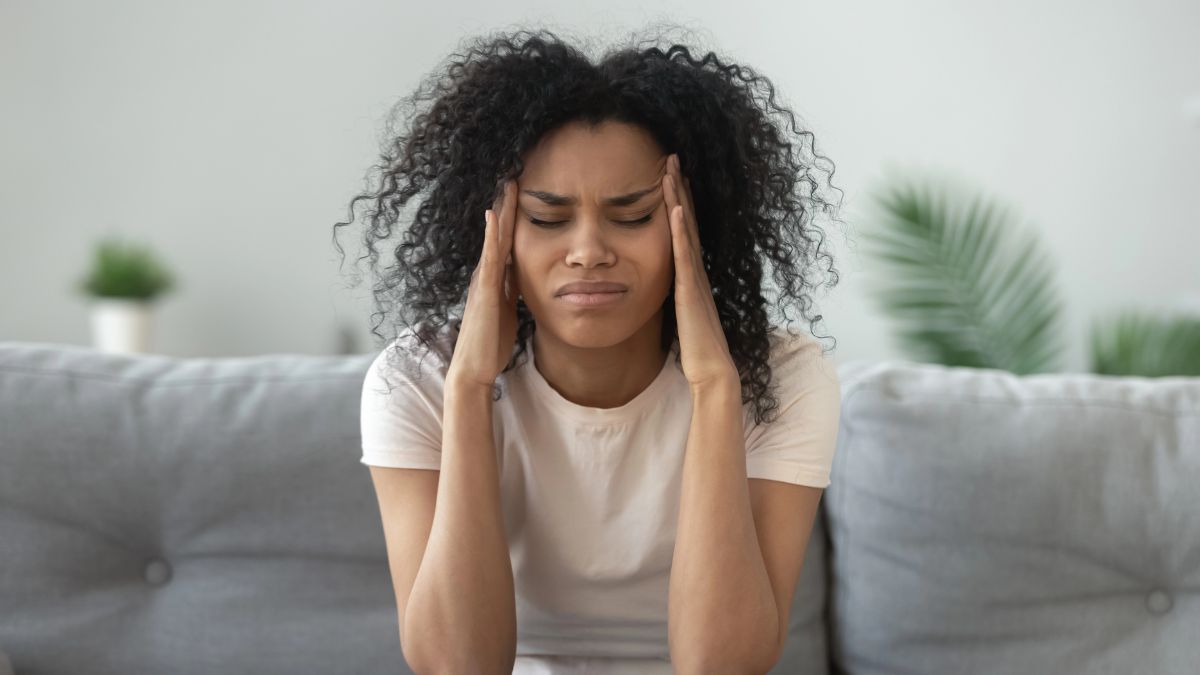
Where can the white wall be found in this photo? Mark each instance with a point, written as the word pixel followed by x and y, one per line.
pixel 230 136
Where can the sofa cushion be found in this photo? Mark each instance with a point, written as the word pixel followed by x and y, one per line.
pixel 985 522
pixel 163 515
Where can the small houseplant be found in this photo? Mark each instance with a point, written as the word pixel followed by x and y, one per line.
pixel 971 289
pixel 123 283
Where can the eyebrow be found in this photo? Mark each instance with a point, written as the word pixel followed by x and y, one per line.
pixel 566 200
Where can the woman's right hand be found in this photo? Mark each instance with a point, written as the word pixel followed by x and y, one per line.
pixel 488 331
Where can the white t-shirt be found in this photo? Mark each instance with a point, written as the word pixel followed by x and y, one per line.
pixel 591 495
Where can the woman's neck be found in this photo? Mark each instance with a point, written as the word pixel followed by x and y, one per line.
pixel 601 377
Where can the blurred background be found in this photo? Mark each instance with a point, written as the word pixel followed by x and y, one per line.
pixel 228 137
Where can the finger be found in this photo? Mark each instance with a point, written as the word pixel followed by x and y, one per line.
pixel 680 246
pixel 685 196
pixel 498 210
pixel 674 200
pixel 487 257
pixel 508 220
pixel 487 234
pixel 498 201
pixel 684 189
pixel 691 205
pixel 494 217
pixel 669 193
pixel 473 283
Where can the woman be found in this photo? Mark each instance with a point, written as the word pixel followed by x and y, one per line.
pixel 614 462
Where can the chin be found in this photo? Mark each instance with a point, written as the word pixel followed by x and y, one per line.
pixel 590 332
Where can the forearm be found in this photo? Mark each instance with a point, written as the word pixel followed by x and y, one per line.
pixel 461 614
pixel 722 614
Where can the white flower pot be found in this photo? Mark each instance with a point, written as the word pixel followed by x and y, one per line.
pixel 121 326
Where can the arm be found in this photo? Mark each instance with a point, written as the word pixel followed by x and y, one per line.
pixel 722 613
pixel 461 614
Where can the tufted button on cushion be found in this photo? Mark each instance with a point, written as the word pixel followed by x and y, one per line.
pixel 158 572
pixel 1158 601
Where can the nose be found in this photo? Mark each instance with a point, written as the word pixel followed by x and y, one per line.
pixel 587 246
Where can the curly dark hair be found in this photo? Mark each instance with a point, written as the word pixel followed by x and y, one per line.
pixel 755 192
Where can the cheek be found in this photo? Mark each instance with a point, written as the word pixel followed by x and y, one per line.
pixel 654 238
pixel 525 250
pixel 662 245
pixel 654 254
pixel 529 264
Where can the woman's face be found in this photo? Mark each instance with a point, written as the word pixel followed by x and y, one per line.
pixel 568 230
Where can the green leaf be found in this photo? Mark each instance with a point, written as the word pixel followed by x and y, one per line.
pixel 1144 344
pixel 963 292
pixel 121 270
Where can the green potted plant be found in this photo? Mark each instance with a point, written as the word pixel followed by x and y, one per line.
pixel 971 289
pixel 123 283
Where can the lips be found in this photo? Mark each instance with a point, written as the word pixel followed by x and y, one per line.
pixel 591 287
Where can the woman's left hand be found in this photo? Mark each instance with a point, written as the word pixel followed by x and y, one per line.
pixel 704 352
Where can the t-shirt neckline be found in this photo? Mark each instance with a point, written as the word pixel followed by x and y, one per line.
pixel 645 399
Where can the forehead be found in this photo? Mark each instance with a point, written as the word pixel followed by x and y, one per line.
pixel 613 155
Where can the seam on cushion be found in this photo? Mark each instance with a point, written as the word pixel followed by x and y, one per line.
pixel 1056 401
pixel 158 380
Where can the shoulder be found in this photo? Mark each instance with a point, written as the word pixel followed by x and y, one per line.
pixel 417 351
pixel 795 443
pixel 418 358
pixel 804 379
pixel 799 357
pixel 401 406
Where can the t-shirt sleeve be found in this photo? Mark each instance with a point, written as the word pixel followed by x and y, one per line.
pixel 401 428
pixel 797 446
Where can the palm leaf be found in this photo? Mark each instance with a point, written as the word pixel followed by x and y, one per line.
pixel 966 288
pixel 1139 343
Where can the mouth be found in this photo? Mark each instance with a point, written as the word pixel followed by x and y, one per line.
pixel 593 299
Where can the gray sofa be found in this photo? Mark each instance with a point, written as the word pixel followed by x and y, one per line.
pixel 162 515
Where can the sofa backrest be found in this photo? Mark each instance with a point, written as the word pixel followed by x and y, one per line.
pixel 982 522
pixel 180 515
pixel 162 515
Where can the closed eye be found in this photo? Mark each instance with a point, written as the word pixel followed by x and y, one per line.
pixel 546 223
